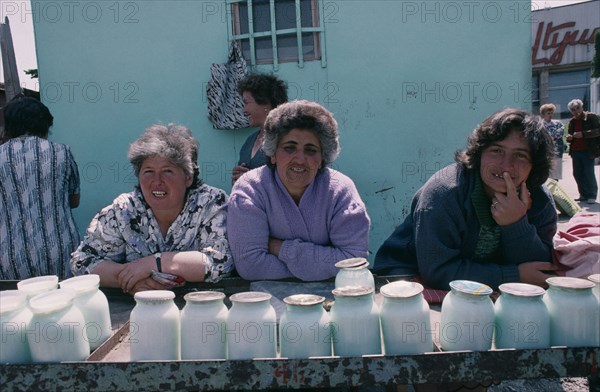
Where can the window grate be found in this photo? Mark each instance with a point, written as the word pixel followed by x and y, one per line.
pixel 277 31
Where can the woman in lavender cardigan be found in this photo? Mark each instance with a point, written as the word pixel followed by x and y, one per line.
pixel 295 217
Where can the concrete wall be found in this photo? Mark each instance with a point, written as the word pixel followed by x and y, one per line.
pixel 407 82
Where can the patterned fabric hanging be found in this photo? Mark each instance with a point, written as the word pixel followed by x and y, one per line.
pixel 225 105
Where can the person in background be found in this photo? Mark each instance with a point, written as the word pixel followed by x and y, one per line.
pixel 584 138
pixel 295 217
pixel 172 225
pixel 261 93
pixel 487 217
pixel 39 185
pixel 556 130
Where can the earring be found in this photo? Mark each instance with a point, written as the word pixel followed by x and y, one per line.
pixel 266 110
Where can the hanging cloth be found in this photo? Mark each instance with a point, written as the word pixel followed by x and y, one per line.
pixel 225 105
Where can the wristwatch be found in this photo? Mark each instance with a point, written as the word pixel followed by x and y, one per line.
pixel 158 261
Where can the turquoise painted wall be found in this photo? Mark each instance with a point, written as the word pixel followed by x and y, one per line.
pixel 407 82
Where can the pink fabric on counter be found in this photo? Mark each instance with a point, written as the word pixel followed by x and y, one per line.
pixel 577 246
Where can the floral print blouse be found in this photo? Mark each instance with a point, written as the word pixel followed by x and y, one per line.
pixel 127 230
pixel 556 130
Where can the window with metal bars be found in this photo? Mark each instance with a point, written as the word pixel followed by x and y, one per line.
pixel 278 31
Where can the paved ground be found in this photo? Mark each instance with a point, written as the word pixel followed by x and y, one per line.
pixel 570 186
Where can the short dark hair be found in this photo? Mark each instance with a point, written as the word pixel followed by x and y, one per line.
pixel 497 127
pixel 26 116
pixel 265 89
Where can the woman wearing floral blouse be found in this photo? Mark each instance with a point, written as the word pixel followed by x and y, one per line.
pixel 171 223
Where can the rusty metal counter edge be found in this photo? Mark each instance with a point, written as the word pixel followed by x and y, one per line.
pixel 327 372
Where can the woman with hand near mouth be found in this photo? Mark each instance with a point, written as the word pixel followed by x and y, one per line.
pixel 485 218
pixel 295 217
pixel 171 224
pixel 261 93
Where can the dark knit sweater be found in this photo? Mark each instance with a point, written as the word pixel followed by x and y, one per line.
pixel 439 238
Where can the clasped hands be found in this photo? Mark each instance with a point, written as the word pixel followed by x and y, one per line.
pixel 137 276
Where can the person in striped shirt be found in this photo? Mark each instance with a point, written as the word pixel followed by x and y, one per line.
pixel 39 185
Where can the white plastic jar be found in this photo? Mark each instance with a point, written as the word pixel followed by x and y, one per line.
pixel 57 329
pixel 595 279
pixel 304 327
pixel 355 322
pixel 15 320
pixel 94 305
pixel 37 285
pixel 155 327
pixel 574 312
pixel 521 318
pixel 405 321
pixel 467 319
pixel 251 326
pixel 354 272
pixel 203 324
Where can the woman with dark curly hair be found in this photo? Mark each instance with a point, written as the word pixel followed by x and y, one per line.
pixel 296 217
pixel 485 218
pixel 261 93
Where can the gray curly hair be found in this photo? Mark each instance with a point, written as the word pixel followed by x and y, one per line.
pixel 173 142
pixel 301 114
pixel 575 104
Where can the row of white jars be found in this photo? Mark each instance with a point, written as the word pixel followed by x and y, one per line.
pixel 524 316
pixel 521 318
pixel 305 330
pixel 205 329
pixel 40 323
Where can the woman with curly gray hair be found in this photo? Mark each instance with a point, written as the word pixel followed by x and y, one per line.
pixel 170 229
pixel 487 217
pixel 296 217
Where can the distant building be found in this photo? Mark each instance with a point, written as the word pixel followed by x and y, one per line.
pixel 562 53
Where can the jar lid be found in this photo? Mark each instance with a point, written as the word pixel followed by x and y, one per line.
pixel 569 283
pixel 594 278
pixel 204 296
pixel 522 289
pixel 11 300
pixel 304 299
pixel 470 287
pixel 154 296
pixel 81 284
pixel 352 291
pixel 401 289
pixel 38 284
pixel 356 262
pixel 250 296
pixel 51 301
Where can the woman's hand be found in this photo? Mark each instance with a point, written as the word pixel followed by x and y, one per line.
pixel 146 284
pixel 508 209
pixel 536 272
pixel 135 271
pixel 275 246
pixel 238 171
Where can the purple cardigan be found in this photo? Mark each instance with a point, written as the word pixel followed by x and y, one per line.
pixel 329 224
